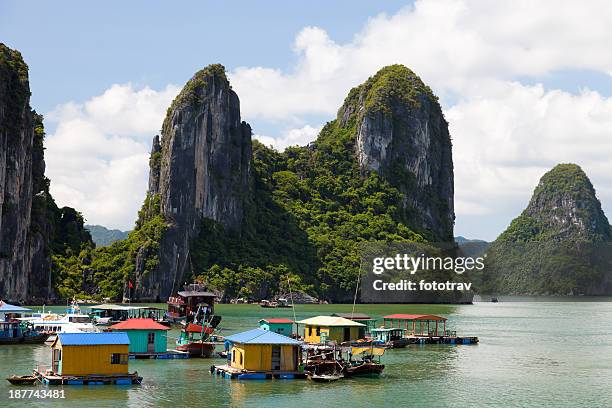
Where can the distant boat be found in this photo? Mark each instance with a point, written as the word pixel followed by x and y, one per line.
pixel 280 303
pixel 494 300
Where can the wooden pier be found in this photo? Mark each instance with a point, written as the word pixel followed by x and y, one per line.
pixel 53 379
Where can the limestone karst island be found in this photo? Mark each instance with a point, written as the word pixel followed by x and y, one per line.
pixel 262 205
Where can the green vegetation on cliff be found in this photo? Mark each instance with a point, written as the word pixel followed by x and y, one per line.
pixel 558 245
pixel 308 209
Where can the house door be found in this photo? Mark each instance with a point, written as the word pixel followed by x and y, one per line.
pixel 56 357
pixel 276 358
pixel 347 333
pixel 151 343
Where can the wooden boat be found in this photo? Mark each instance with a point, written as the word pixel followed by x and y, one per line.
pixel 22 379
pixel 329 377
pixel 364 369
pixel 280 303
pixel 182 307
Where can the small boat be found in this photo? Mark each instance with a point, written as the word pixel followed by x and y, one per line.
pixel 22 379
pixel 494 300
pixel 328 377
pixel 280 303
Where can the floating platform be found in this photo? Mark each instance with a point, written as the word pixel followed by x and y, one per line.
pixel 169 355
pixel 53 379
pixel 456 340
pixel 226 371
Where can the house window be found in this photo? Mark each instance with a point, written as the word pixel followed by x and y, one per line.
pixel 240 358
pixel 318 331
pixel 118 358
pixel 310 330
pixel 150 338
pixel 234 356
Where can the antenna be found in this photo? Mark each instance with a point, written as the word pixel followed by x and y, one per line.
pixel 356 289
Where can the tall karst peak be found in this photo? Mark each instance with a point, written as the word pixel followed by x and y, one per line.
pixel 400 132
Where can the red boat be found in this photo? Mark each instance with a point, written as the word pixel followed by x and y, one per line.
pixel 195 339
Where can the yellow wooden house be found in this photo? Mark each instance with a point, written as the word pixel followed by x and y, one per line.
pixel 84 354
pixel 261 350
pixel 321 329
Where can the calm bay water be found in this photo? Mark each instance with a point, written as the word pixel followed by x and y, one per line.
pixel 530 354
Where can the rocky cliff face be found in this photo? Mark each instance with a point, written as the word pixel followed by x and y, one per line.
pixel 199 170
pixel 31 225
pixel 559 245
pixel 16 140
pixel 402 134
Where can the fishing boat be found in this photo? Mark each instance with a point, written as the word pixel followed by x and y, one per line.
pixel 22 379
pixel 368 366
pixel 183 306
pixel 198 338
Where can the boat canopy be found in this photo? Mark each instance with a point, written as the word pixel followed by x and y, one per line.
pixel 375 351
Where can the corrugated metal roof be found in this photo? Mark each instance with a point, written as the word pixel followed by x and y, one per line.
pixel 353 316
pixel 190 293
pixel 260 336
pixel 276 320
pixel 139 324
pixel 6 308
pixel 330 321
pixel 401 316
pixel 92 339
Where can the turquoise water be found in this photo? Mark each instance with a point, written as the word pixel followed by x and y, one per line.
pixel 530 354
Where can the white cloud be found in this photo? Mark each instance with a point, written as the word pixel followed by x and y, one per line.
pixel 504 143
pixel 97 156
pixel 454 45
pixel 293 137
pixel 505 134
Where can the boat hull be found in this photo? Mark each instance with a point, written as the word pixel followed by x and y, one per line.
pixel 37 339
pixel 364 370
pixel 197 349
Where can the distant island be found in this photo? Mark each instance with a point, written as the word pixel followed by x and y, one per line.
pixel 103 236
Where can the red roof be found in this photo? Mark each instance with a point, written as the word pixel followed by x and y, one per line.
pixel 277 320
pixel 139 324
pixel 196 328
pixel 401 316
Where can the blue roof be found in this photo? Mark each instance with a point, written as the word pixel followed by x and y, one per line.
pixel 91 339
pixel 260 336
pixel 6 308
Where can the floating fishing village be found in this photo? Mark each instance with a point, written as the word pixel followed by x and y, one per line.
pixel 94 347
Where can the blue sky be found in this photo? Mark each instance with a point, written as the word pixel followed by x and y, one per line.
pixel 523 86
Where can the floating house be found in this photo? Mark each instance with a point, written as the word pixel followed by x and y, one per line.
pixel 426 329
pixel 321 329
pixel 146 335
pixel 8 312
pixel 89 358
pixel 14 331
pixel 278 325
pixel 261 354
pixel 370 322
pixel 417 324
